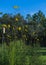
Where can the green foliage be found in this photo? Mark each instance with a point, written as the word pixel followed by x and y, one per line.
pixel 4 55
pixel 19 31
pixel 19 54
pixel 33 27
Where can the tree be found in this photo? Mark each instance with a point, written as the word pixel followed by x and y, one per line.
pixel 28 18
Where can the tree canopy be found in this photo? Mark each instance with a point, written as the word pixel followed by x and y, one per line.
pixel 30 29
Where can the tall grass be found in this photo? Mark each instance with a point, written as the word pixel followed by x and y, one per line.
pixel 17 53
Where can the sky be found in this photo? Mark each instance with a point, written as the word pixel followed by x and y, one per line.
pixel 25 6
